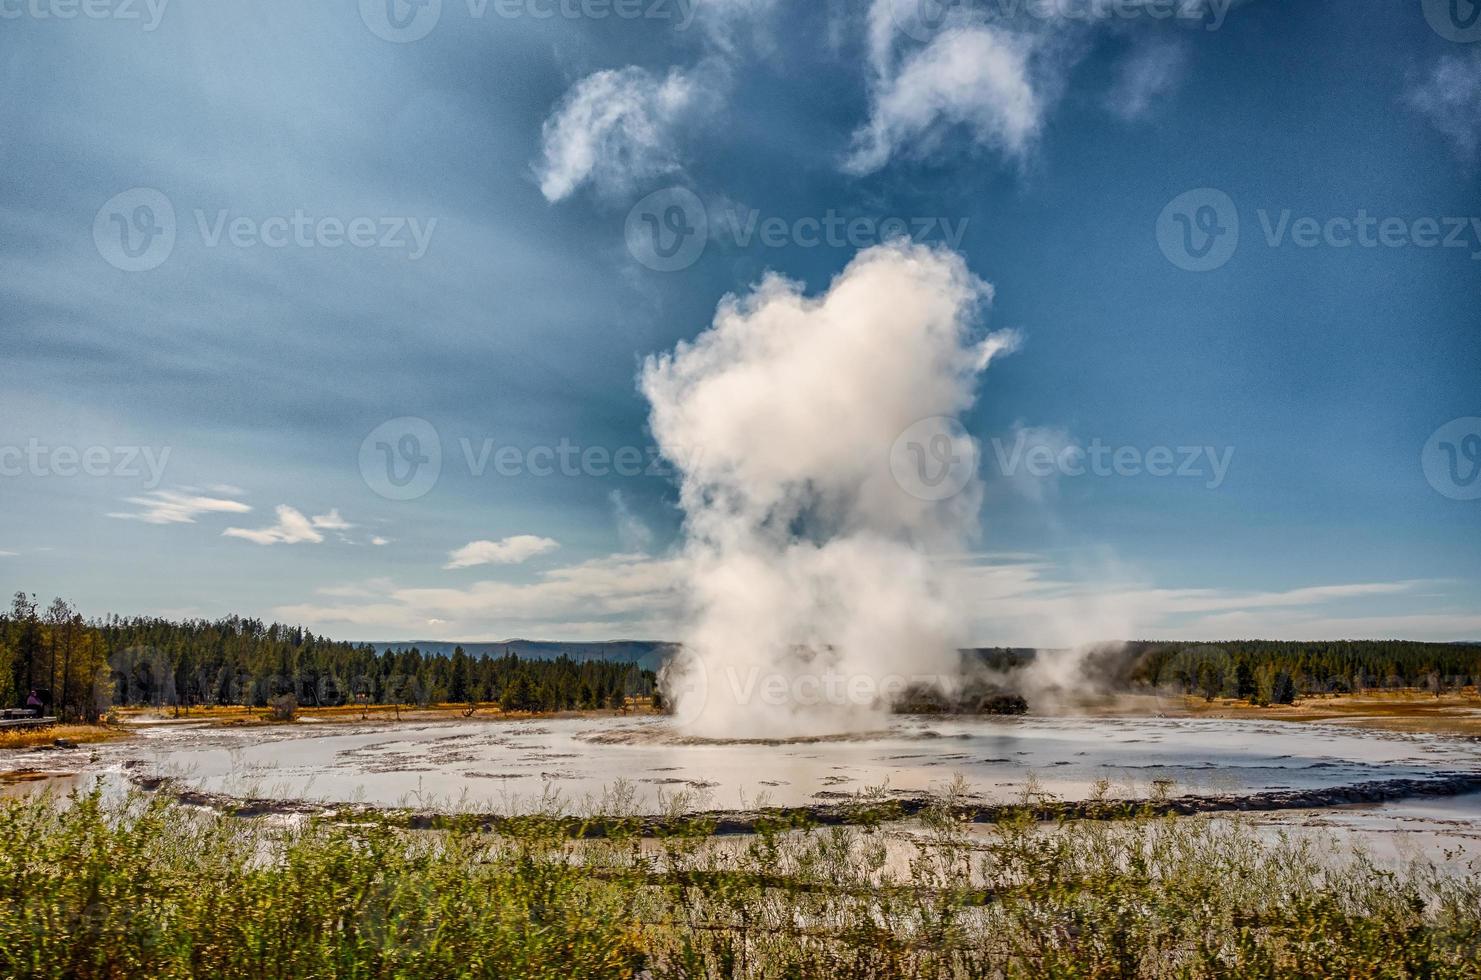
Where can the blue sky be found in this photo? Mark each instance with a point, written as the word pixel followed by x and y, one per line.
pixel 334 226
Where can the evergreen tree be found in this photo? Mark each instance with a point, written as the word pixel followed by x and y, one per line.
pixel 518 696
pixel 458 687
pixel 1283 689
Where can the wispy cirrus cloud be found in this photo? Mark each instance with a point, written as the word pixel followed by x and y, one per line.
pixel 974 76
pixel 619 126
pixel 292 528
pixel 1018 599
pixel 1449 96
pixel 1146 76
pixel 181 505
pixel 614 128
pixel 1032 601
pixel 509 551
pixel 994 73
pixel 603 598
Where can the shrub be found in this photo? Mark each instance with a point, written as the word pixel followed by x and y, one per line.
pixel 284 707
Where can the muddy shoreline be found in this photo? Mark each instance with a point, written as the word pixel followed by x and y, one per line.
pixel 855 811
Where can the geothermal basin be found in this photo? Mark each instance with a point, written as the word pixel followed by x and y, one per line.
pixel 501 765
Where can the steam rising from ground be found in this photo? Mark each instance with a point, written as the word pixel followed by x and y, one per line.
pixel 814 596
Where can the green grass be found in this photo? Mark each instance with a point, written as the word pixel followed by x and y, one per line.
pixel 151 888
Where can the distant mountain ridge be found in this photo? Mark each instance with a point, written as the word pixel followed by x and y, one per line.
pixel 647 654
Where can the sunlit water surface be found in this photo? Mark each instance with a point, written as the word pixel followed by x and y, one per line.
pixel 494 765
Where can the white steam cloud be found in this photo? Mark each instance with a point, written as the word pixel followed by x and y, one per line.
pixel 811 579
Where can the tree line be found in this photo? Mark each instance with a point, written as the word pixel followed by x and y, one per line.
pixel 81 668
pixel 1278 672
pixel 1260 671
pixel 55 656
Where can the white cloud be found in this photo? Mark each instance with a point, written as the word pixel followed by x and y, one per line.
pixel 379 541
pixel 995 75
pixel 724 20
pixel 1147 75
pixel 510 551
pixel 292 528
pixel 973 76
pixel 9 554
pixel 1450 98
pixel 179 506
pixel 604 598
pixel 1031 601
pixel 613 128
pixel 331 521
pixel 617 127
pixel 1016 599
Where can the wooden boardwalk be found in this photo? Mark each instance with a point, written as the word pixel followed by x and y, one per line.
pixel 42 722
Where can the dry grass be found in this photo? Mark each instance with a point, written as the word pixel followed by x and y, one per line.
pixel 1456 713
pixel 1407 710
pixel 26 738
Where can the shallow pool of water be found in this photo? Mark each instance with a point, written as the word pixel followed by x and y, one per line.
pixel 494 765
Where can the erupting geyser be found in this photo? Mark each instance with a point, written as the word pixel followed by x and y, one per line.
pixel 812 588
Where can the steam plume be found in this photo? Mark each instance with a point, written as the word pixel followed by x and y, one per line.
pixel 812 584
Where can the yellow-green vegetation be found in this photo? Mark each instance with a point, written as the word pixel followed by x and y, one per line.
pixel 23 738
pixel 1455 712
pixel 149 888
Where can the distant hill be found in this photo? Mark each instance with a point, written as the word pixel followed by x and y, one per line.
pixel 1320 666
pixel 647 654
